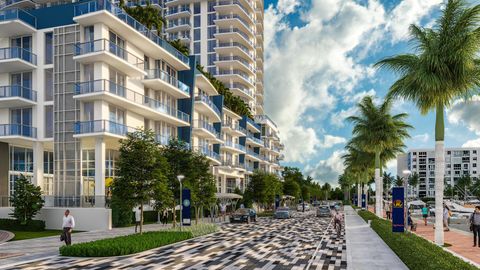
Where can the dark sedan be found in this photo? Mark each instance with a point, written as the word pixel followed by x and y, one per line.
pixel 243 215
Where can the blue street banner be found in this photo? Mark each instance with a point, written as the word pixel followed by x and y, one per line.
pixel 277 201
pixel 398 208
pixel 355 199
pixel 186 206
pixel 364 200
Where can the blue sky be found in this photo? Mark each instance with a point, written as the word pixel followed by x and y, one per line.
pixel 318 65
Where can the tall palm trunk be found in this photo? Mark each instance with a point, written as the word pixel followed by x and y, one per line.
pixel 378 186
pixel 359 194
pixel 439 174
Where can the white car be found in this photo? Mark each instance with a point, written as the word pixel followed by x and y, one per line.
pixel 300 207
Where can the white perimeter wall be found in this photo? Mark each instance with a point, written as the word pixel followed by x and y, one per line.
pixel 86 219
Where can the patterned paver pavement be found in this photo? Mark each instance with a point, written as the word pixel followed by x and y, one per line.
pixel 298 243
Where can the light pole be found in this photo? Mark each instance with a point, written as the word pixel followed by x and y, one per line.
pixel 405 186
pixel 180 178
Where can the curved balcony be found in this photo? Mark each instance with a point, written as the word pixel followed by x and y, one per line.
pixel 103 11
pixel 252 155
pixel 106 51
pixel 235 130
pixel 235 35
pixel 254 140
pixel 233 164
pixel 17 96
pixel 153 3
pixel 210 154
pixel 206 130
pixel 14 59
pixel 205 105
pixel 25 4
pixel 134 101
pixel 234 48
pixel 176 2
pixel 17 22
pixel 235 21
pixel 236 76
pixel 176 12
pixel 177 25
pixel 235 62
pixel 236 7
pixel 101 128
pixel 249 168
pixel 233 147
pixel 160 80
pixel 241 90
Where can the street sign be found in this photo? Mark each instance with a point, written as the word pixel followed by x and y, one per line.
pixel 398 209
pixel 186 206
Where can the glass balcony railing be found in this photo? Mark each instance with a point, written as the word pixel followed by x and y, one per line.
pixel 235 2
pixel 97 126
pixel 179 22
pixel 235 30
pixel 18 14
pixel 100 45
pixel 237 17
pixel 18 130
pixel 242 88
pixel 235 127
pixel 235 145
pixel 207 152
pixel 235 44
pixel 17 52
pixel 162 75
pixel 172 11
pixel 97 5
pixel 251 153
pixel 143 3
pixel 209 102
pixel 17 91
pixel 239 59
pixel 236 72
pixel 122 91
pixel 207 126
pixel 253 138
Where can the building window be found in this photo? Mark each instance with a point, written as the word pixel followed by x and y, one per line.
pixel 211 31
pixel 48 121
pixel 211 18
pixel 48 48
pixel 211 45
pixel 49 84
pixel 196 34
pixel 88 172
pixel 196 8
pixel 196 21
pixel 196 47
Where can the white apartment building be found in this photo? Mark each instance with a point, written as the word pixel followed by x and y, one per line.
pixel 458 162
pixel 76 77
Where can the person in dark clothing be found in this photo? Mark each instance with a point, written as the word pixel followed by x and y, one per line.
pixel 475 226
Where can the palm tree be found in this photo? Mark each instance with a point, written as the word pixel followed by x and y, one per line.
pixel 413 181
pixel 359 164
pixel 387 182
pixel 445 67
pixel 177 44
pixel 147 15
pixel 399 181
pixel 380 133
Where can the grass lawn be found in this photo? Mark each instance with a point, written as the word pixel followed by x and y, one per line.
pixel 21 235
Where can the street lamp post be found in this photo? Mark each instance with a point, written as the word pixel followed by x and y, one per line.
pixel 180 178
pixel 405 186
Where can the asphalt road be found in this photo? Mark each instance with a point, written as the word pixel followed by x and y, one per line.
pixel 301 242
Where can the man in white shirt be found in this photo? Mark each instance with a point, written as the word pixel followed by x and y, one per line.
pixel 138 218
pixel 67 225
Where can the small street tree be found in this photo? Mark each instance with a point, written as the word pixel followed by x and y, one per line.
pixel 141 170
pixel 26 200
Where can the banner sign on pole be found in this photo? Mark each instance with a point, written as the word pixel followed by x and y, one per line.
pixel 355 199
pixel 398 208
pixel 277 201
pixel 186 205
pixel 364 200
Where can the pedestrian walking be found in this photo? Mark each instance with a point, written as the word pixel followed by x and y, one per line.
pixel 223 209
pixel 68 224
pixel 425 214
pixel 138 218
pixel 446 215
pixel 387 210
pixel 475 226
pixel 164 216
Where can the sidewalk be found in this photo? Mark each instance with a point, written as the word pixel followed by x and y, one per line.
pixel 365 249
pixel 15 252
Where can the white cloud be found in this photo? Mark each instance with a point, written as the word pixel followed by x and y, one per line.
pixel 359 96
pixel 338 119
pixel 329 141
pixel 466 113
pixel 421 138
pixel 327 170
pixel 302 142
pixel 406 13
pixel 472 143
pixel 392 166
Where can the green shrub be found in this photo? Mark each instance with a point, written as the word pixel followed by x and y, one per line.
pixel 414 251
pixel 124 245
pixel 199 229
pixel 122 214
pixel 15 225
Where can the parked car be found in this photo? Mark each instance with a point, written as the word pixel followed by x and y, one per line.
pixel 282 212
pixel 323 211
pixel 300 207
pixel 243 215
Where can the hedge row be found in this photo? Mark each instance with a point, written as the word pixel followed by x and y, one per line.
pixel 124 245
pixel 414 251
pixel 14 225
pixel 198 230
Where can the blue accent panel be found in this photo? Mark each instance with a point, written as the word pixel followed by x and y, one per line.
pixel 218 101
pixel 218 127
pixel 186 105
pixel 243 122
pixel 242 140
pixel 216 148
pixel 54 16
pixel 241 158
pixel 256 150
pixel 255 165
pixel 252 122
